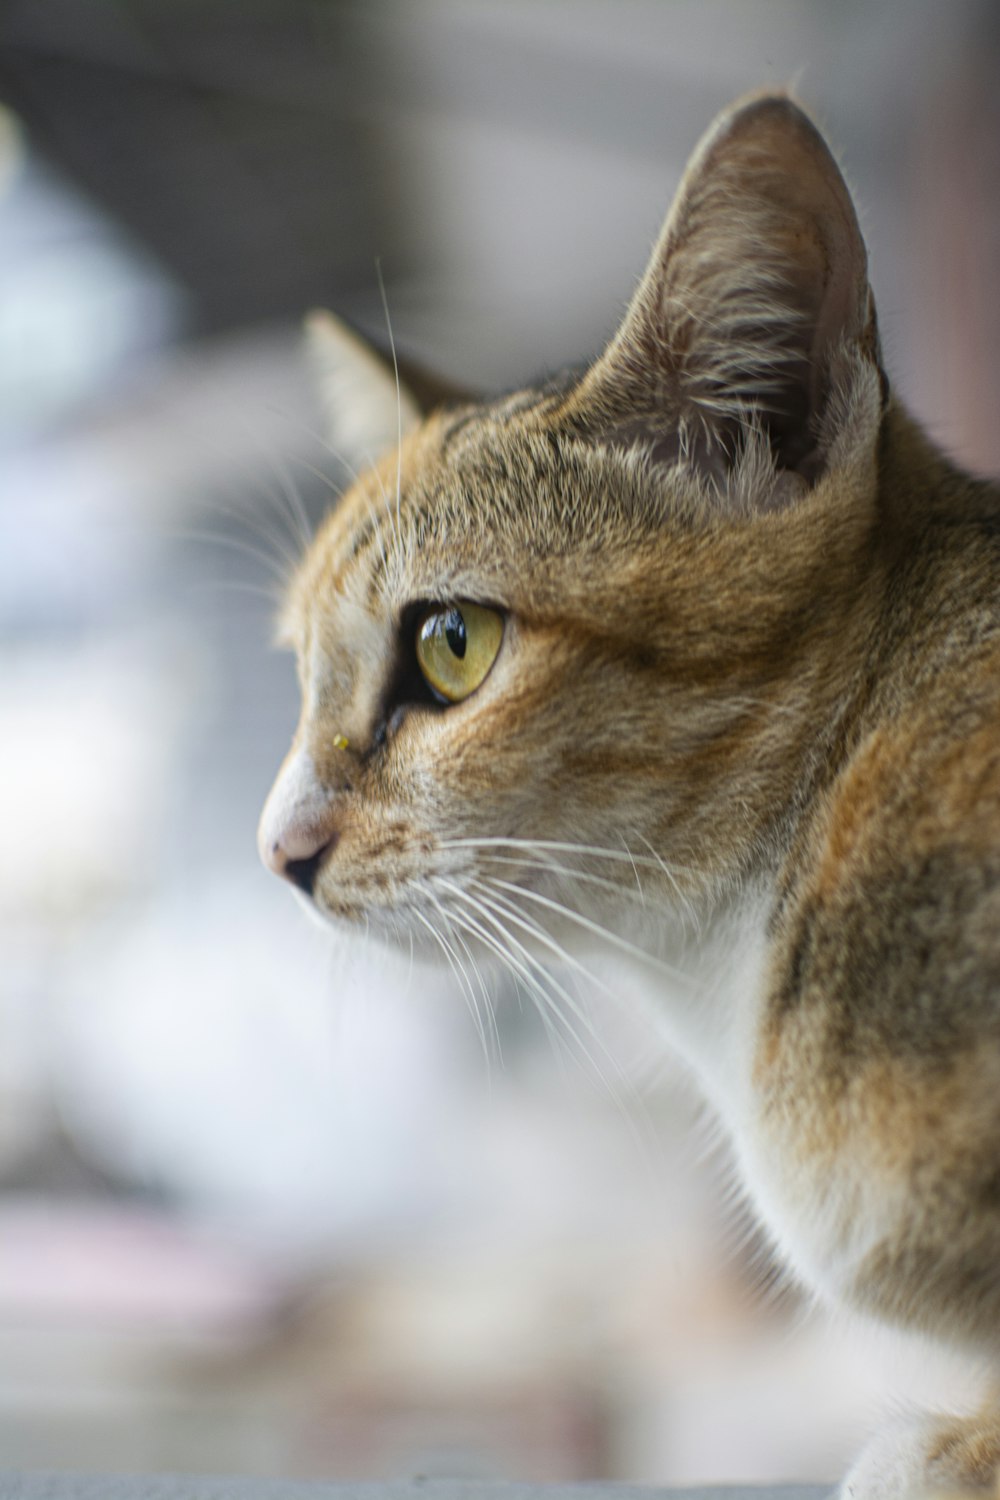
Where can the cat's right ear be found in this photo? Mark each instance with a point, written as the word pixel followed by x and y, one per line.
pixel 754 305
pixel 367 411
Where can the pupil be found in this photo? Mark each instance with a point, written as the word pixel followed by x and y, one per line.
pixel 454 632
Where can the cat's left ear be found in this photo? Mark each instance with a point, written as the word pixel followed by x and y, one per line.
pixel 368 408
pixel 366 412
pixel 754 304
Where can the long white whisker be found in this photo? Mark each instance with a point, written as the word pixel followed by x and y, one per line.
pixel 488 1006
pixel 491 1021
pixel 336 490
pixel 635 870
pixel 524 980
pixel 525 965
pixel 595 927
pixel 237 544
pixel 539 933
pixel 399 398
pixel 488 909
pixel 318 437
pixel 272 593
pixel 595 851
pixel 555 947
pixel 339 458
pixel 274 537
pixel 629 1104
pixel 299 519
pixel 686 903
pixel 462 980
pixel 293 533
pixel 564 872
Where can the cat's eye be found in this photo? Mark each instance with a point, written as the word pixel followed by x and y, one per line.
pixel 456 646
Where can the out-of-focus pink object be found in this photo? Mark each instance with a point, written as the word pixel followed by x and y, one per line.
pixel 131 1269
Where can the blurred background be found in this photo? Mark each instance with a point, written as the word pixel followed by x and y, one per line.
pixel 266 1203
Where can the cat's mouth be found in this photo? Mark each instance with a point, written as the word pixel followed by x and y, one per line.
pixel 447 915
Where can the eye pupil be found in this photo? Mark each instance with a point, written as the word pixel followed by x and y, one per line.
pixel 456 646
pixel 454 633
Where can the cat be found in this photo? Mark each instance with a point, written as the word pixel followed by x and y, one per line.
pixel 712 613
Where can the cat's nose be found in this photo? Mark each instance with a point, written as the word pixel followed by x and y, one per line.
pixel 298 856
pixel 299 827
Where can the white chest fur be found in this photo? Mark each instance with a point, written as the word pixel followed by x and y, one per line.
pixel 710 1008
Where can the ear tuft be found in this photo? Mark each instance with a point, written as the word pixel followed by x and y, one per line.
pixel 366 411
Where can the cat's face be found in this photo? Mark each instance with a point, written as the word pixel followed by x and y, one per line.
pixel 572 644
pixel 431 758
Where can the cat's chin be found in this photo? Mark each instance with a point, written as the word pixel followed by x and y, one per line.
pixel 395 930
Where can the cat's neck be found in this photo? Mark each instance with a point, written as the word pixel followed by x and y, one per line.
pixel 699 977
pixel 713 971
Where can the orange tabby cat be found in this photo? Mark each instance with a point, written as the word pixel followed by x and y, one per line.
pixel 715 610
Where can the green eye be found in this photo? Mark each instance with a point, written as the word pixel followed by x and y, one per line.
pixel 456 646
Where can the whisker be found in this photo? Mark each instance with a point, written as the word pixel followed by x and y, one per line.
pixel 274 539
pixel 488 1006
pixel 291 512
pixel 566 872
pixel 325 479
pixel 399 398
pixel 629 1104
pixel 316 436
pixel 296 505
pixel 540 934
pixel 523 963
pixel 466 991
pixel 525 981
pixel 237 544
pixel 489 910
pixel 271 595
pixel 635 869
pixel 492 1029
pixel 595 851
pixel 676 975
pixel 353 473
pixel 555 947
pixel 686 902
pixel 338 491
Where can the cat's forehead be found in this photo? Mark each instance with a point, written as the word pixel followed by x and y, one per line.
pixel 372 521
pixel 457 484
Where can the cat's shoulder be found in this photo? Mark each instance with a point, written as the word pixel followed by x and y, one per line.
pixel 890 916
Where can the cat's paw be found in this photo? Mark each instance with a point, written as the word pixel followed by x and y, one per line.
pixel 929 1458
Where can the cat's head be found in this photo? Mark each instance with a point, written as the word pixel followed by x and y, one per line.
pixel 587 637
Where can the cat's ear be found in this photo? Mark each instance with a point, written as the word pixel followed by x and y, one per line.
pixel 366 411
pixel 756 293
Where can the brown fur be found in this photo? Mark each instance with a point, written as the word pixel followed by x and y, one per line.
pixel 751 644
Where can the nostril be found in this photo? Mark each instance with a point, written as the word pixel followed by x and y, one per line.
pixel 303 872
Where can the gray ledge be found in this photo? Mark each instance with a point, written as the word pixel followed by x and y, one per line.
pixel 68 1486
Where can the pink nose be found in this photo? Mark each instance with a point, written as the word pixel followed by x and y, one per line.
pixel 299 853
pixel 300 824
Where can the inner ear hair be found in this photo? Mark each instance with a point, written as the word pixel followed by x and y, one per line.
pixel 754 305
